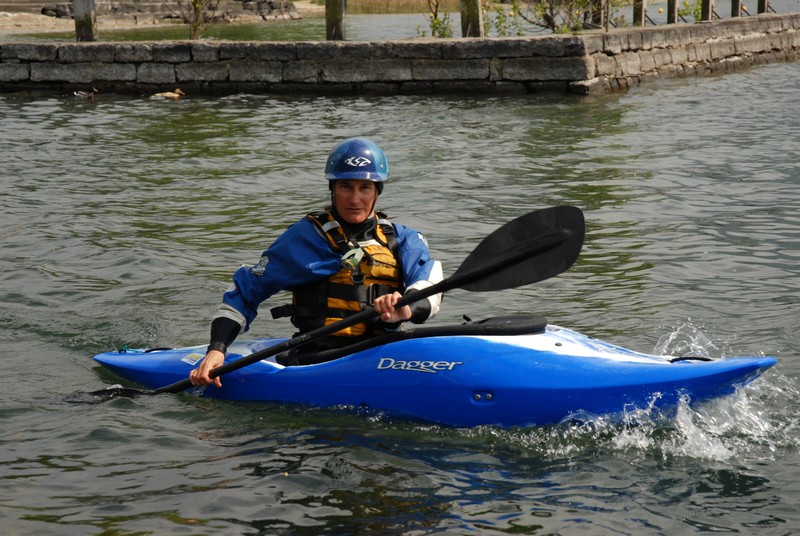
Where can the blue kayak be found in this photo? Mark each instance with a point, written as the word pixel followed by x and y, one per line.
pixel 500 371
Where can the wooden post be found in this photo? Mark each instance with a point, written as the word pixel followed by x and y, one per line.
pixel 672 11
pixel 85 20
pixel 736 8
pixel 471 18
pixel 639 8
pixel 597 7
pixel 706 10
pixel 763 6
pixel 334 19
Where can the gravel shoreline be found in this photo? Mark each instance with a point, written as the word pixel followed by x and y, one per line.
pixel 12 23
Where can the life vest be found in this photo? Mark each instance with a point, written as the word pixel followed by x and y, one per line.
pixel 370 268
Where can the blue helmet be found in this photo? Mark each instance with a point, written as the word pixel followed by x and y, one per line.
pixel 357 158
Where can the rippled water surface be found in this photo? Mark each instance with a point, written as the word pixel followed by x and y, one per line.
pixel 124 218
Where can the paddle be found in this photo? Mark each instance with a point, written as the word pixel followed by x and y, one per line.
pixel 531 248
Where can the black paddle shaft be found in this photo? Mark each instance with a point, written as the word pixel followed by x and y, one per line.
pixel 531 248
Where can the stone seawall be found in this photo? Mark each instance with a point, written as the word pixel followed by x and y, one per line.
pixel 592 62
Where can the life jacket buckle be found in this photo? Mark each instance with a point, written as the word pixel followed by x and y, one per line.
pixel 282 311
pixel 352 258
pixel 375 290
pixel 357 277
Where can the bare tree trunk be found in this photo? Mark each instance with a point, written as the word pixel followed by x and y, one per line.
pixel 85 20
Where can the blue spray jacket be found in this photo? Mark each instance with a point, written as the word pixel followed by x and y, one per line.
pixel 302 255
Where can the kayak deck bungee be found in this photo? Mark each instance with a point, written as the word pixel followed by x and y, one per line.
pixel 508 371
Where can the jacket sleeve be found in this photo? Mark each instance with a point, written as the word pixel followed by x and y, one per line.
pixel 419 271
pixel 299 256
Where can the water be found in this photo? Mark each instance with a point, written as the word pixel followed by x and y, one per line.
pixel 124 217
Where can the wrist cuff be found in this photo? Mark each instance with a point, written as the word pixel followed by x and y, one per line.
pixel 216 345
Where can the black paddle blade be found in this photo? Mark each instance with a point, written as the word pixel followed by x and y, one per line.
pixel 531 248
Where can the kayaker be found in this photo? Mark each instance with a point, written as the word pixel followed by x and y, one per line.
pixel 335 262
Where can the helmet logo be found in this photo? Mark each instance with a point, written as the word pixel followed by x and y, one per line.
pixel 358 161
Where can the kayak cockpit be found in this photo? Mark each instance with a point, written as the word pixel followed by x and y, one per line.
pixel 494 326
